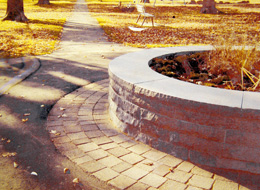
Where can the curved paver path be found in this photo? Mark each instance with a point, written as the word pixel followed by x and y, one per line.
pixel 80 128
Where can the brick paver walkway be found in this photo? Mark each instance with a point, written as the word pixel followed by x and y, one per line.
pixel 81 130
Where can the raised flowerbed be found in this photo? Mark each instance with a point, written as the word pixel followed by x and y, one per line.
pixel 208 126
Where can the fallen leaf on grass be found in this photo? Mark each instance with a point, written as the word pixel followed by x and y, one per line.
pixel 66 171
pixel 62 109
pixel 55 132
pixel 15 165
pixel 25 120
pixel 63 115
pixel 34 173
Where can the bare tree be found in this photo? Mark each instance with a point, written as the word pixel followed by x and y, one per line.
pixel 209 7
pixel 43 2
pixel 15 11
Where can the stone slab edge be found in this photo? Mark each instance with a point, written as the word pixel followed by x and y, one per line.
pixel 133 68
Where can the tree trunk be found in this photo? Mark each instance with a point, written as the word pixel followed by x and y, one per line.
pixel 209 7
pixel 15 11
pixel 43 2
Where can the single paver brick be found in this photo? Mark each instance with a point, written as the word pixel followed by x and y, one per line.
pixel 89 127
pixel 148 165
pixel 170 161
pixel 180 176
pixel 72 129
pixel 218 177
pixel 93 134
pixel 154 155
pixel 120 138
pixel 85 112
pixel 110 161
pixel 110 132
pixel 109 146
pixel 201 181
pixel 153 180
pixel 135 173
pixel 82 160
pixel 220 185
pixel 81 118
pixel 70 123
pixel 198 171
pixel 132 158
pixel 54 121
pixel 101 117
pixel 75 153
pixel 173 185
pixel 101 140
pixel 122 182
pixel 119 151
pixel 128 144
pixel 186 166
pixel 122 167
pixel 65 146
pixel 106 174
pixel 162 170
pixel 81 141
pixel 193 188
pixel 97 154
pixel 60 140
pixel 92 166
pixel 75 136
pixel 139 148
pixel 88 147
pixel 138 186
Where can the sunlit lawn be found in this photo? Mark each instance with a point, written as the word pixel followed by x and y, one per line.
pixel 241 23
pixel 43 31
pixel 40 35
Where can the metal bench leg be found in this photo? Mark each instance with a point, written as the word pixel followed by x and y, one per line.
pixel 143 20
pixel 138 18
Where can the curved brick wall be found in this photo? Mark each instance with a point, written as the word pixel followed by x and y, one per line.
pixel 208 126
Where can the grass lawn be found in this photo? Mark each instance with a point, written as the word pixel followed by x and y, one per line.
pixel 238 26
pixel 40 35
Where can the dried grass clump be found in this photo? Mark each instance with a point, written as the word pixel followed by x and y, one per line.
pixel 240 63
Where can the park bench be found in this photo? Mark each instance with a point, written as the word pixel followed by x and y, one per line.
pixel 141 11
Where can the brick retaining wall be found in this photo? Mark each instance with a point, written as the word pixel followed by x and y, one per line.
pixel 203 132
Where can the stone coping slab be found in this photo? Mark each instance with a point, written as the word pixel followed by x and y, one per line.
pixel 133 68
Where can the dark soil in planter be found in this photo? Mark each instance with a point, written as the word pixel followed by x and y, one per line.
pixel 194 67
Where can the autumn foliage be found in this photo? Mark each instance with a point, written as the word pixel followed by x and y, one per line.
pixel 237 25
pixel 188 27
